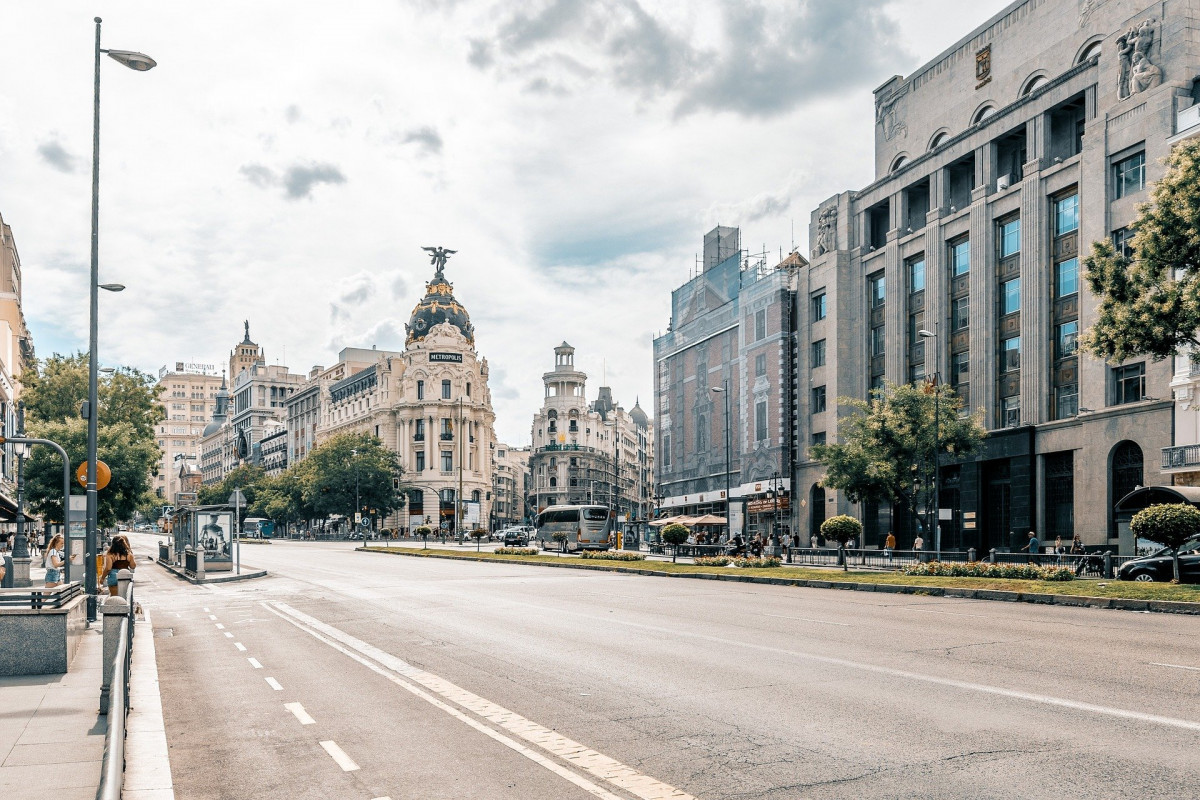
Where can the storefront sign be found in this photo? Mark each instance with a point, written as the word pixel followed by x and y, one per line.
pixel 767 505
pixel 445 358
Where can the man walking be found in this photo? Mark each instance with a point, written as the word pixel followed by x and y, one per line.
pixel 1033 546
pixel 889 544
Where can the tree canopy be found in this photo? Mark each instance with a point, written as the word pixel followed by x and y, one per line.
pixel 351 472
pixel 1171 524
pixel 891 439
pixel 56 390
pixel 1150 297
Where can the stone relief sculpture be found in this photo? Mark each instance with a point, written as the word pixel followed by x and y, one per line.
pixel 826 231
pixel 1086 7
pixel 885 115
pixel 1136 72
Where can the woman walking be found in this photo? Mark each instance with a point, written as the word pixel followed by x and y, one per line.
pixel 54 561
pixel 118 557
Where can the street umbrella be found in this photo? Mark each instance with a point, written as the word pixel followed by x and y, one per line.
pixel 709 519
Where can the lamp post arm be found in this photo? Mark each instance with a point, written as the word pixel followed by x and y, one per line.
pixel 66 485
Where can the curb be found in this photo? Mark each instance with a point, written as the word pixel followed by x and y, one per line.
pixel 179 573
pixel 1074 600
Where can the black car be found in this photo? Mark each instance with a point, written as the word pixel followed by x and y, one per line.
pixel 515 538
pixel 1159 567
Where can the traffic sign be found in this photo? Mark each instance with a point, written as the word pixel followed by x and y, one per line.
pixel 103 474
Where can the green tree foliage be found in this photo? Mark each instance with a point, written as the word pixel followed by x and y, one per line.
pixel 890 440
pixel 129 456
pixel 247 477
pixel 1150 303
pixel 282 498
pixel 348 464
pixel 59 387
pixel 842 529
pixel 675 534
pixel 1171 524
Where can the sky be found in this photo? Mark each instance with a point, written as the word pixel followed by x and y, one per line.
pixel 285 162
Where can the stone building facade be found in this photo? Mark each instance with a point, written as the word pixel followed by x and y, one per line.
pixel 732 328
pixel 188 397
pixel 997 164
pixel 510 486
pixel 16 351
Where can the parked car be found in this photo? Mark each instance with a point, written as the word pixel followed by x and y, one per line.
pixel 1158 565
pixel 515 537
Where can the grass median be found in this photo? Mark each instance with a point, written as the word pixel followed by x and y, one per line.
pixel 1128 590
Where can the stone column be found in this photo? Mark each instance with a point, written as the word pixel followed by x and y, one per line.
pixel 113 609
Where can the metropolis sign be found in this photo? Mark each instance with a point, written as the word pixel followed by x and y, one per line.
pixel 452 358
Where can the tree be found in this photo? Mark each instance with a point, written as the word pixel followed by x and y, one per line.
pixel 1171 524
pixel 282 498
pixel 890 445
pixel 56 390
pixel 675 534
pixel 129 456
pixel 247 477
pixel 350 472
pixel 1150 298
pixel 842 529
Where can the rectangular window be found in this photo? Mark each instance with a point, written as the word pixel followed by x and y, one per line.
pixel 448 428
pixel 1010 296
pixel 877 290
pixel 818 353
pixel 960 313
pixel 818 437
pixel 916 274
pixel 419 433
pixel 1066 401
pixel 760 365
pixel 876 385
pixel 420 461
pixel 819 310
pixel 916 323
pixel 960 257
pixel 818 399
pixel 1066 278
pixel 1066 338
pixel 445 390
pixel 1010 237
pixel 760 325
pixel 1010 412
pixel 878 341
pixel 1066 215
pixel 916 373
pixel 760 421
pixel 1010 354
pixel 1129 175
pixel 1123 242
pixel 1129 383
pixel 960 369
pixel 447 460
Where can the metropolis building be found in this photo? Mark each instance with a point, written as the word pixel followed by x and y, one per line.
pixel 998 163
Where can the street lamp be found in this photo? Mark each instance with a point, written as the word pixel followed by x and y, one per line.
pixel 357 500
pixel 724 389
pixel 140 63
pixel 937 441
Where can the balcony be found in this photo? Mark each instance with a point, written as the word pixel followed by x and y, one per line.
pixel 418 437
pixel 446 437
pixel 1186 457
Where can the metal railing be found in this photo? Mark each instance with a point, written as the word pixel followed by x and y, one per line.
pixel 112 771
pixel 55 597
pixel 1187 455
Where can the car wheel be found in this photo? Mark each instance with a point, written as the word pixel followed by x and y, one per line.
pixel 1144 577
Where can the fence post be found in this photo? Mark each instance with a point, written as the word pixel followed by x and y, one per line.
pixel 992 556
pixel 971 554
pixel 1108 570
pixel 114 609
pixel 124 579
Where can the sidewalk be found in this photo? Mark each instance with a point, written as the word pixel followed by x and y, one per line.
pixel 51 730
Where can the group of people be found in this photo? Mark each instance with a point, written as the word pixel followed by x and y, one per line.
pixel 1033 547
pixel 119 556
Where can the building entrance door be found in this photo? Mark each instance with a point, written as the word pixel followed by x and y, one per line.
pixel 995 530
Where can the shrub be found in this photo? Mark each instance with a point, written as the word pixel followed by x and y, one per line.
pixel 713 561
pixel 978 569
pixel 612 555
pixel 423 530
pixel 675 534
pixel 757 563
pixel 560 537
pixel 842 529
pixel 1171 524
pixel 516 551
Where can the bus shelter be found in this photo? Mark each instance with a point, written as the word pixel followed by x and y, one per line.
pixel 206 529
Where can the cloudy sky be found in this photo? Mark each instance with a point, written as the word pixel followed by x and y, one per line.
pixel 285 162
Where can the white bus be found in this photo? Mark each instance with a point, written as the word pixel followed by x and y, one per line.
pixel 586 527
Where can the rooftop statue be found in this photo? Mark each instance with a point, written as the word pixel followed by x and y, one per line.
pixel 438 256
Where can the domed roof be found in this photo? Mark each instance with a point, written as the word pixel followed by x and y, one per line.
pixel 638 415
pixel 212 428
pixel 436 307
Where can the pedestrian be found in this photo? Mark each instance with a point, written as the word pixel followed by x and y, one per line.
pixel 53 558
pixel 1059 550
pixel 1033 546
pixel 889 544
pixel 118 557
pixel 813 541
pixel 919 547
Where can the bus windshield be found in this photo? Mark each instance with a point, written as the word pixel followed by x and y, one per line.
pixel 595 514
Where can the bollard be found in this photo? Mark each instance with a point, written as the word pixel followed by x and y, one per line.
pixel 113 609
pixel 1108 570
pixel 971 554
pixel 992 556
pixel 124 581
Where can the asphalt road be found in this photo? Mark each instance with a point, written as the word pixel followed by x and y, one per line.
pixel 440 679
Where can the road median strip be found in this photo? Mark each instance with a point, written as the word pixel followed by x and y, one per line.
pixel 1119 595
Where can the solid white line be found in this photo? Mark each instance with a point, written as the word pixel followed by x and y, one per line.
pixel 339 755
pixel 254 663
pixel 1174 666
pixel 589 760
pixel 220 627
pixel 228 635
pixel 274 684
pixel 240 646
pixel 806 619
pixel 299 713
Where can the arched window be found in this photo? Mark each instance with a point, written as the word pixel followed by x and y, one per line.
pixel 938 139
pixel 1089 51
pixel 475 496
pixel 1033 82
pixel 816 509
pixel 1125 473
pixel 899 162
pixel 983 113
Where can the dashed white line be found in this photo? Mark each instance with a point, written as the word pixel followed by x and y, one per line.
pixel 299 713
pixel 240 646
pixel 339 755
pixel 211 616
pixel 254 663
pixel 228 635
pixel 206 611
pixel 220 627
pixel 808 619
pixel 274 684
pixel 1174 666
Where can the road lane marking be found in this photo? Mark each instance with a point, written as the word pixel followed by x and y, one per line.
pixel 211 616
pixel 339 755
pixel 228 635
pixel 274 684
pixel 220 627
pixel 241 647
pixel 806 619
pixel 299 713
pixel 601 766
pixel 206 611
pixel 254 663
pixel 1174 666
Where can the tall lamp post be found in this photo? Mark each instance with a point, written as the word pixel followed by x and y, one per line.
pixel 140 63
pixel 724 389
pixel 357 501
pixel 937 440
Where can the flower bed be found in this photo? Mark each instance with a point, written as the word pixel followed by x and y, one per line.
pixel 980 569
pixel 766 562
pixel 516 551
pixel 712 561
pixel 612 555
